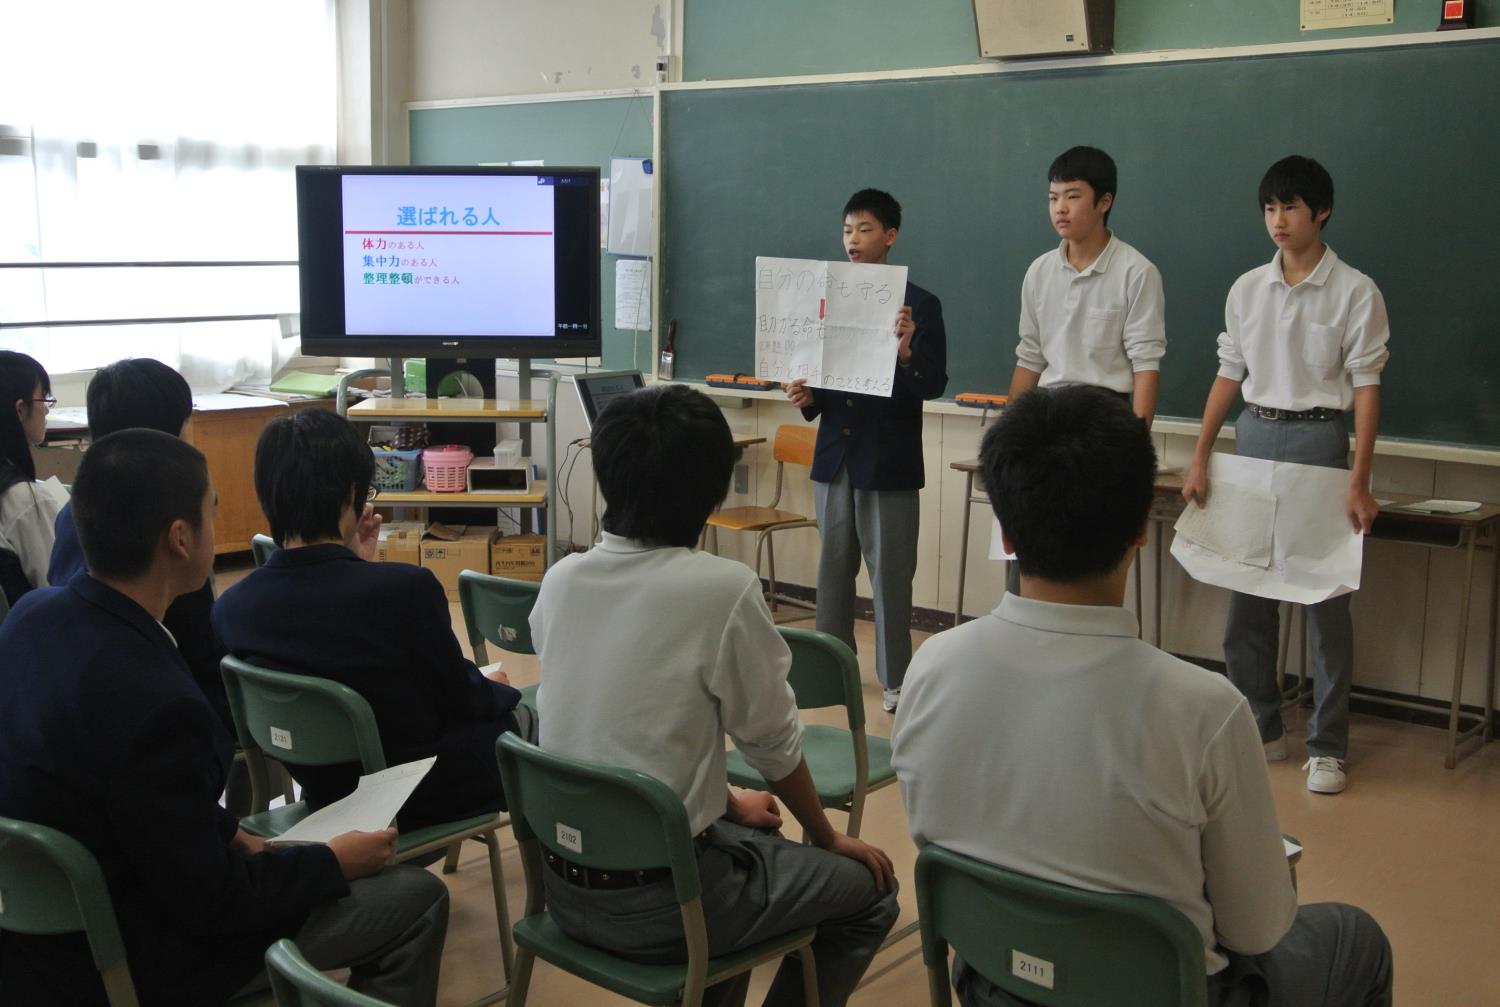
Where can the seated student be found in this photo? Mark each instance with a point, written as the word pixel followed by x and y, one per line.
pixel 26 512
pixel 652 652
pixel 104 737
pixel 383 629
pixel 146 393
pixel 1105 763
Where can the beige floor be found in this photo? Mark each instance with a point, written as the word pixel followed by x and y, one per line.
pixel 1413 843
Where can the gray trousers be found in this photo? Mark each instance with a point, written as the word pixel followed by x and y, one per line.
pixel 756 886
pixel 388 931
pixel 1333 956
pixel 1253 630
pixel 881 526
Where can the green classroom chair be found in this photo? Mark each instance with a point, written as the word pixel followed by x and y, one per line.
pixel 846 763
pixel 297 984
pixel 1093 948
pixel 322 723
pixel 621 820
pixel 498 610
pixel 261 547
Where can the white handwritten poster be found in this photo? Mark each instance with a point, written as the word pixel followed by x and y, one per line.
pixel 830 323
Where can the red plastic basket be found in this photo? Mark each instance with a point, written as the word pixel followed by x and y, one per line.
pixel 445 468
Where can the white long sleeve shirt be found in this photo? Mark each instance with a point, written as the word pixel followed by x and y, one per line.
pixel 650 656
pixel 28 515
pixel 1094 326
pixel 1307 346
pixel 1048 740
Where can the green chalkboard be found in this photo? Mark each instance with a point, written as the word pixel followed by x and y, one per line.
pixel 587 132
pixel 1409 134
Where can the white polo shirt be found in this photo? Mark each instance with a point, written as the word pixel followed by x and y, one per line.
pixel 649 656
pixel 1094 326
pixel 1048 740
pixel 1306 346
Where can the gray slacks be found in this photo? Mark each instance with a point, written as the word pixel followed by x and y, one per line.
pixel 1253 631
pixel 1333 956
pixel 881 526
pixel 388 931
pixel 756 885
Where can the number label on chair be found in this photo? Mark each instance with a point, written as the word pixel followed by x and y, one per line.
pixel 507 633
pixel 1033 970
pixel 281 738
pixel 569 838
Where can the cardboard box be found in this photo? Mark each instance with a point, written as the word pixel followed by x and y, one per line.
pixel 519 557
pixel 468 550
pixel 400 542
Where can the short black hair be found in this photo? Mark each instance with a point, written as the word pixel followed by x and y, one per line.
pixel 880 205
pixel 1087 164
pixel 1070 473
pixel 130 487
pixel 663 457
pixel 19 377
pixel 1296 176
pixel 308 466
pixel 138 392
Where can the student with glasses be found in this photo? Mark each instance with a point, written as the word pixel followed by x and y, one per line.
pixel 27 511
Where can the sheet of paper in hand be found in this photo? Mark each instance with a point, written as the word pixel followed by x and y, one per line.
pixel 1314 554
pixel 372 807
pixel 830 323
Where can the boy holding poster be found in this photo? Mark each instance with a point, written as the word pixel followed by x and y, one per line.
pixel 867 465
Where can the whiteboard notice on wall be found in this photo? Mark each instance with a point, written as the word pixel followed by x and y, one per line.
pixel 832 324
pixel 1320 14
pixel 630 205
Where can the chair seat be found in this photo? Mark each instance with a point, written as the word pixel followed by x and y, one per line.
pixel 753 518
pixel 528 695
pixel 648 984
pixel 829 752
pixel 270 824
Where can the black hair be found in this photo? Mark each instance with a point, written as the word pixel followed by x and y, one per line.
pixel 308 466
pixel 20 376
pixel 130 487
pixel 1296 176
pixel 663 458
pixel 1087 164
pixel 880 205
pixel 138 392
pixel 1070 473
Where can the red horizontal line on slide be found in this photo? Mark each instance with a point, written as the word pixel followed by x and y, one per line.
pixel 447 232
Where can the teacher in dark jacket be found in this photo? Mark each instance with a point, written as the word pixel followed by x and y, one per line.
pixel 319 607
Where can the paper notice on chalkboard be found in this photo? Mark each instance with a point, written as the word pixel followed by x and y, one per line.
pixel 630 197
pixel 832 324
pixel 633 294
pixel 1321 14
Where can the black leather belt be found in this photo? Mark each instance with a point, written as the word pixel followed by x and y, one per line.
pixel 596 879
pixel 1320 413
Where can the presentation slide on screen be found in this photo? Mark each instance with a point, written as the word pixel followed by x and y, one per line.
pixel 448 255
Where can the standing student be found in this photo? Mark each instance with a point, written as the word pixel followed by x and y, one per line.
pixel 26 512
pixel 867 463
pixel 1305 341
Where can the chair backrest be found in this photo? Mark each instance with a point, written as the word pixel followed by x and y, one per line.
pixel 297 984
pixel 824 672
pixel 1053 944
pixel 261 547
pixel 597 816
pixel 497 610
pixel 300 720
pixel 51 884
pixel 794 444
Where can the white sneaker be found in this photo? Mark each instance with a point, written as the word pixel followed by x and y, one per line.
pixel 892 697
pixel 1275 750
pixel 1325 775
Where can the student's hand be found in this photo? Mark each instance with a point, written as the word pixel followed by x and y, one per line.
pixel 754 809
pixel 247 844
pixel 361 854
pixel 872 857
pixel 1195 484
pixel 367 533
pixel 498 676
pixel 800 395
pixel 1362 508
pixel 905 329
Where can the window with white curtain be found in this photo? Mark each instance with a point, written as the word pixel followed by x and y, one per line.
pixel 161 135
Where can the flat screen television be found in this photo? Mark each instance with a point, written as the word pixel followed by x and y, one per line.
pixel 449 262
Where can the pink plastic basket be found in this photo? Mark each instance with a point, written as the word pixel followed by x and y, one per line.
pixel 445 468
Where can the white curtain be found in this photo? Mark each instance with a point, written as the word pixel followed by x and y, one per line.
pixel 161 131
